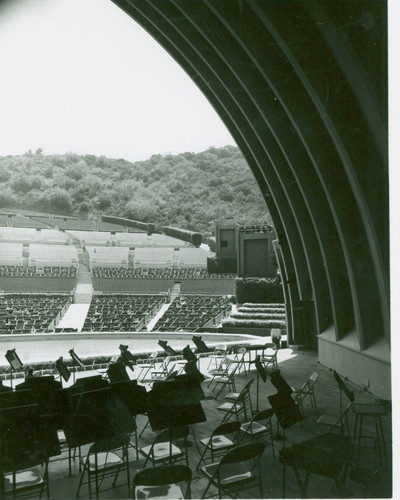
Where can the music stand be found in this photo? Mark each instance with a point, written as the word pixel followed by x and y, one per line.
pixel 176 403
pixel 342 389
pixel 77 360
pixel 261 372
pixel 14 361
pixel 283 402
pixel 62 369
pixel 127 356
pixel 169 351
pixel 200 344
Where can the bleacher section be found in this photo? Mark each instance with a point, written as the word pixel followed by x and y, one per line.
pixel 91 238
pixel 20 221
pixel 29 279
pixel 48 255
pixel 31 313
pixel 132 285
pixel 153 280
pixel 11 254
pixel 193 257
pixel 120 272
pixel 208 286
pixel 30 235
pixel 109 226
pixel 121 313
pixel 108 256
pixel 154 257
pixel 190 312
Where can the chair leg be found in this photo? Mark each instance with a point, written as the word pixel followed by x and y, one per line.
pixel 81 480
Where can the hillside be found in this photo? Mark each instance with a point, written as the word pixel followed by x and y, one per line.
pixel 187 190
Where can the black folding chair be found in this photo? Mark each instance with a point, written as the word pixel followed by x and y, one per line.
pixel 239 469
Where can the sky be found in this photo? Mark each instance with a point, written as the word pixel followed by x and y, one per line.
pixel 82 76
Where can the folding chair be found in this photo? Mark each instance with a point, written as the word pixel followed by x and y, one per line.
pixel 341 424
pixel 105 458
pixel 228 379
pixel 307 389
pixel 269 356
pixel 240 405
pixel 255 429
pixel 165 371
pixel 218 443
pixel 239 469
pixel 217 355
pixel 221 371
pixel 163 449
pixel 163 481
pixel 146 365
pixel 238 358
pixel 232 396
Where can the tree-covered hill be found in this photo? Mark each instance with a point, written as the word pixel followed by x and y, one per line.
pixel 188 190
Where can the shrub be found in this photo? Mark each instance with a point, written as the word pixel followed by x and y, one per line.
pixel 221 265
pixel 211 242
pixel 280 310
pixel 240 315
pixel 254 323
pixel 258 290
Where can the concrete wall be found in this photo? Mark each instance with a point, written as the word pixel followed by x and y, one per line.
pixel 359 367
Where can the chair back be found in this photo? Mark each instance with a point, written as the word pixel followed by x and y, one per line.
pixel 313 378
pixel 111 443
pixel 162 475
pixel 243 453
pixel 172 434
pixel 227 428
pixel 220 349
pixel 263 415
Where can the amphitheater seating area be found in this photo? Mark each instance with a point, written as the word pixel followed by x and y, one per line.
pixel 30 313
pixel 154 257
pixel 41 255
pixel 11 254
pixel 121 313
pixel 163 273
pixel 20 221
pixel 48 271
pixel 115 285
pixel 29 279
pixel 31 235
pixel 193 257
pixel 190 312
pixel 108 256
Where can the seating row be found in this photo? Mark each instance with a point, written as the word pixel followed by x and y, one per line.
pixel 30 313
pixel 121 312
pixel 124 272
pixel 50 271
pixel 190 312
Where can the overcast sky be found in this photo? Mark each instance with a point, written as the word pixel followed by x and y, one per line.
pixel 82 76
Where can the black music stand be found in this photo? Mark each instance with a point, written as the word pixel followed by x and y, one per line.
pixel 77 360
pixel 342 389
pixel 176 403
pixel 62 369
pixel 261 372
pixel 287 412
pixel 168 350
pixel 200 344
pixel 14 361
pixel 127 356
